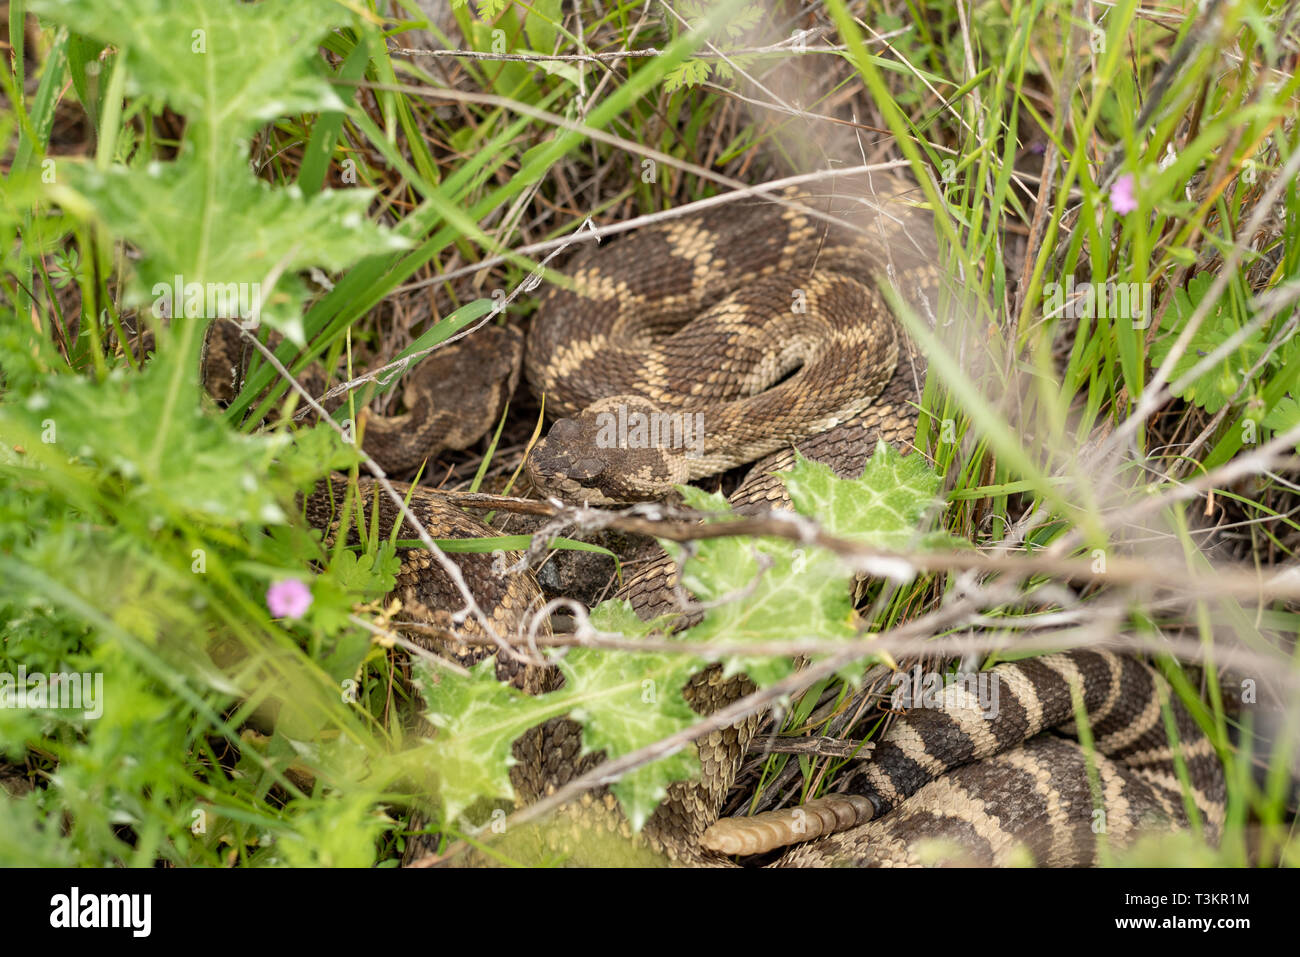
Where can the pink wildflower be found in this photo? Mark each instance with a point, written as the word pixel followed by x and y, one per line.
pixel 1122 199
pixel 288 599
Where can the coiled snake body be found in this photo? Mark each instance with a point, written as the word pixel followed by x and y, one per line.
pixel 752 330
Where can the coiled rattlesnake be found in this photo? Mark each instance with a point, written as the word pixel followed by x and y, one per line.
pixel 752 330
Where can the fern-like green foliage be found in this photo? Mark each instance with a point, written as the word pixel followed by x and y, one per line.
pixel 687 74
pixel 693 72
pixel 486 9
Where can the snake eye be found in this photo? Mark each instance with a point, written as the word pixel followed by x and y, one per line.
pixel 584 470
pixel 565 429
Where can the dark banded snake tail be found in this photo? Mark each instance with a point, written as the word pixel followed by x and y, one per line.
pixel 1133 784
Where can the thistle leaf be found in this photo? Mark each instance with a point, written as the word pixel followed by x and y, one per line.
pixel 772 590
pixel 229 66
pixel 624 702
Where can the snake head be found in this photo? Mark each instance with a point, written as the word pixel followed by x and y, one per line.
pixel 619 449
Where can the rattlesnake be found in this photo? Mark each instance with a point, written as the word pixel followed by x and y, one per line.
pixel 796 348
pixel 765 324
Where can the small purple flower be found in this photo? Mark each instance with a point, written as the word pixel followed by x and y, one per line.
pixel 288 599
pixel 1122 199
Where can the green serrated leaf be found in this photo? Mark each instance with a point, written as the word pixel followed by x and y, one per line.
pixel 114 428
pixel 366 575
pixel 696 498
pixel 478 719
pixel 224 253
pixel 623 700
pixel 205 218
pixel 771 590
pixel 616 616
pixel 232 66
pixel 626 701
pixel 317 450
pixel 883 507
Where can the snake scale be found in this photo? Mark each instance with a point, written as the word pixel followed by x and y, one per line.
pixel 753 329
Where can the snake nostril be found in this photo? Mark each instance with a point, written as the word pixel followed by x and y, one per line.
pixel 565 429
